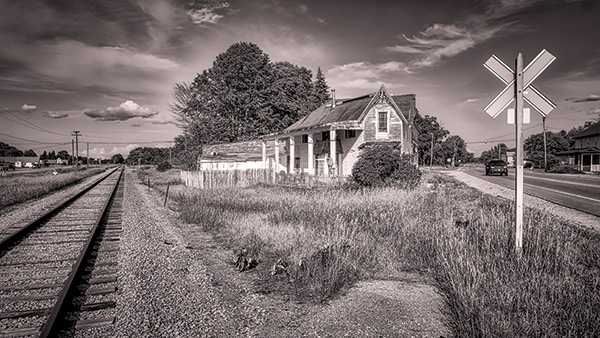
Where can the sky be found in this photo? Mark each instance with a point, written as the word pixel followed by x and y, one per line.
pixel 108 68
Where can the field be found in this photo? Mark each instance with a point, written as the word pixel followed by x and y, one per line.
pixel 20 188
pixel 329 238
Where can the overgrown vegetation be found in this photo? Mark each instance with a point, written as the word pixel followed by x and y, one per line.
pixel 384 165
pixel 20 188
pixel 457 235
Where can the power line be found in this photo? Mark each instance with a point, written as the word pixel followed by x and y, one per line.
pixel 30 125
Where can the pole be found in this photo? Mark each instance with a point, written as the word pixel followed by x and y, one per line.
pixel 545 151
pixel 166 195
pixel 87 163
pixel 519 164
pixel 76 133
pixel 170 163
pixel 499 157
pixel 72 148
pixel 431 153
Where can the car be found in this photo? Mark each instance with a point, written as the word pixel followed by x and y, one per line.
pixel 496 167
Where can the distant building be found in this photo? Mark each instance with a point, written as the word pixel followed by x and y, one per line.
pixel 21 161
pixel 326 142
pixel 586 154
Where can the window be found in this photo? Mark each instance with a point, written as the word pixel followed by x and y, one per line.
pixel 297 163
pixel 350 133
pixel 325 136
pixel 382 122
pixel 305 138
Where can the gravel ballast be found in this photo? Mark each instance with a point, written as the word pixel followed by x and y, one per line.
pixel 175 280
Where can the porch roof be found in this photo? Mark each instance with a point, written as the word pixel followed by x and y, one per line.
pixel 588 150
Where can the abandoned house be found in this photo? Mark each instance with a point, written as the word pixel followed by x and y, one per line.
pixel 327 141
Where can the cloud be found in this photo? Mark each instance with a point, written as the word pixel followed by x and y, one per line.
pixel 470 100
pixel 125 111
pixel 103 153
pixel 591 98
pixel 28 108
pixel 55 114
pixel 163 122
pixel 594 112
pixel 441 41
pixel 136 125
pixel 207 14
pixel 364 75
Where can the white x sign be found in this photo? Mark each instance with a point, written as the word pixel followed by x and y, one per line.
pixel 532 96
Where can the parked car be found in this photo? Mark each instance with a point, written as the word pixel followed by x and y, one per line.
pixel 496 167
pixel 7 165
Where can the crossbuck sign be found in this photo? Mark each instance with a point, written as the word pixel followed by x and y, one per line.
pixel 518 88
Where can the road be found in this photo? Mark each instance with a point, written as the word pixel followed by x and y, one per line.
pixel 580 192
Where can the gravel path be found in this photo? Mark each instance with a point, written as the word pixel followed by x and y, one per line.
pixel 176 281
pixel 572 215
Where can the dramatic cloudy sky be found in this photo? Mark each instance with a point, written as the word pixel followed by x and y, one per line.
pixel 107 68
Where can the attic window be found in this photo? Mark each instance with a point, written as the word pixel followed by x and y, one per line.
pixel 382 122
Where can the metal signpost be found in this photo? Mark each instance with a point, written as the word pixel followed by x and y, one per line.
pixel 519 89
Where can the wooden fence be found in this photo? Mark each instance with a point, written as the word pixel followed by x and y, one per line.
pixel 215 179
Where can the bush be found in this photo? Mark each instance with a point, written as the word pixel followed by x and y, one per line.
pixel 384 165
pixel 163 166
pixel 565 169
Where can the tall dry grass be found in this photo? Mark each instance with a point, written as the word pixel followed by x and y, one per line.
pixel 459 236
pixel 20 188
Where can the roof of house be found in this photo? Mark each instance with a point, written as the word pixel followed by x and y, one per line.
pixel 351 110
pixel 239 151
pixel 594 129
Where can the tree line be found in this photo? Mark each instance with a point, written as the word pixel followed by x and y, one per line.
pixel 7 150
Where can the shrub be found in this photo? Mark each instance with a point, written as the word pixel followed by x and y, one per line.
pixel 384 165
pixel 565 169
pixel 163 166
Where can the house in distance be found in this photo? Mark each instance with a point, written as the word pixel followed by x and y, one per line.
pixel 327 141
pixel 586 154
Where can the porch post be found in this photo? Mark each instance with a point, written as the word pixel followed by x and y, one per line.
pixel 276 156
pixel 264 153
pixel 292 154
pixel 333 150
pixel 311 156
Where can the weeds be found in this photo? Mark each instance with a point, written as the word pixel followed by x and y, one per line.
pixel 16 189
pixel 459 236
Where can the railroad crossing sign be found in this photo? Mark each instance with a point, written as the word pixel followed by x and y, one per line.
pixel 519 89
pixel 507 75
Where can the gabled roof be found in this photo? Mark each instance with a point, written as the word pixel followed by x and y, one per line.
pixel 353 110
pixel 588 150
pixel 592 130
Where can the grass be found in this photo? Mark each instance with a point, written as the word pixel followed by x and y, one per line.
pixel 20 188
pixel 460 237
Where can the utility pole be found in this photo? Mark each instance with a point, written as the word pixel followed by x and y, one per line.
pixel 87 163
pixel 76 133
pixel 170 154
pixel 545 151
pixel 431 153
pixel 72 149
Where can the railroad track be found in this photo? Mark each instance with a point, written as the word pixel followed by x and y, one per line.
pixel 58 272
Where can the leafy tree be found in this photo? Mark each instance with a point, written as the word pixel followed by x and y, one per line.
pixel 321 93
pixel 455 148
pixel 8 150
pixel 117 159
pixel 148 155
pixel 30 153
pixel 241 97
pixel 534 147
pixel 430 128
pixel 62 154
pixel 44 156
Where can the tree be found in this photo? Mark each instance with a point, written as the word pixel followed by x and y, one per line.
pixel 8 150
pixel 555 142
pixel 383 165
pixel 148 155
pixel 63 155
pixel 321 91
pixel 44 156
pixel 428 126
pixel 497 151
pixel 29 153
pixel 117 159
pixel 455 148
pixel 241 97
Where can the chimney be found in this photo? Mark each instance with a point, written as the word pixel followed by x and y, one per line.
pixel 333 98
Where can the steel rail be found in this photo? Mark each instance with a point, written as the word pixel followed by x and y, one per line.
pixel 21 232
pixel 49 329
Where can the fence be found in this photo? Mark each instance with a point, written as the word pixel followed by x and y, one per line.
pixel 214 179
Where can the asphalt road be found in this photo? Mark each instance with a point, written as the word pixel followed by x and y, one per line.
pixel 580 192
